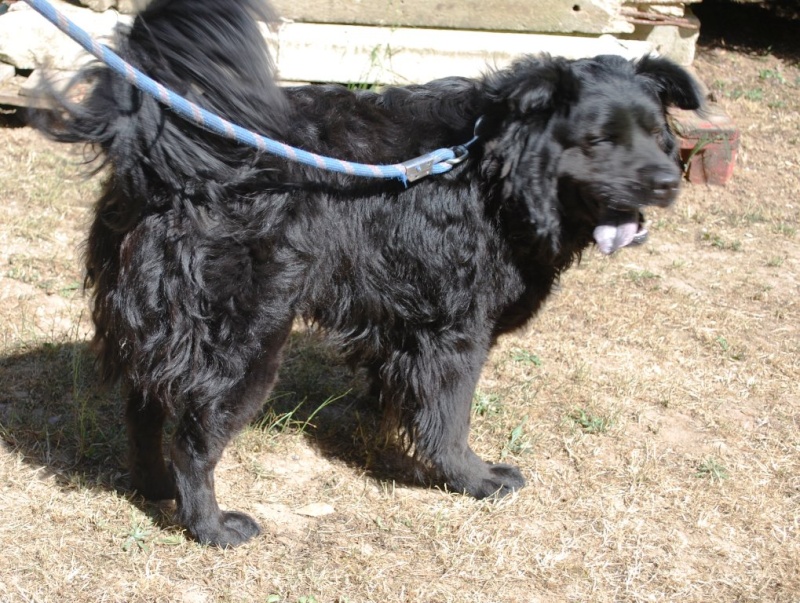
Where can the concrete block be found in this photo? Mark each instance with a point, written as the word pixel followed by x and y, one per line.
pixel 542 16
pixel 98 6
pixel 28 40
pixel 6 72
pixel 308 52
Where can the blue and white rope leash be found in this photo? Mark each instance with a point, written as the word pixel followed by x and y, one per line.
pixel 435 162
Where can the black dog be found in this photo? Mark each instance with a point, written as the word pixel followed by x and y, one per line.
pixel 203 252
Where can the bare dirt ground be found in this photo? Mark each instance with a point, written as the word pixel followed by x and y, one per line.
pixel 654 407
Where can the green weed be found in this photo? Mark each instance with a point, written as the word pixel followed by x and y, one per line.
pixel 772 75
pixel 518 442
pixel 590 422
pixel 279 422
pixel 784 229
pixel 753 94
pixel 712 470
pixel 520 355
pixel 754 217
pixel 485 404
pixel 642 276
pixel 137 538
pixel 728 350
pixel 719 242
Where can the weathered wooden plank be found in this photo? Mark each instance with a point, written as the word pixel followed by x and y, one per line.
pixel 15 100
pixel 676 43
pixel 6 72
pixel 680 3
pixel 59 80
pixel 355 54
pixel 10 95
pixel 541 16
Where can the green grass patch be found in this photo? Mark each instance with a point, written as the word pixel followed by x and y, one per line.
pixel 712 470
pixel 642 276
pixel 484 404
pixel 590 422
pixel 518 440
pixel 524 356
pixel 719 242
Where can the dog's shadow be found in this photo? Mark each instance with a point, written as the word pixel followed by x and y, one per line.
pixel 57 416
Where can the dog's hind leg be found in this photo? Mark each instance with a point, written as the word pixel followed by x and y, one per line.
pixel 201 436
pixel 150 476
pixel 439 386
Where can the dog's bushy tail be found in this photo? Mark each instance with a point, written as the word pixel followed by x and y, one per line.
pixel 210 51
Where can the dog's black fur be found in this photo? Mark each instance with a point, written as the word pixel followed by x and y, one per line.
pixel 203 252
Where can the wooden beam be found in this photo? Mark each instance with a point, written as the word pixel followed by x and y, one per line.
pixel 309 52
pixel 541 16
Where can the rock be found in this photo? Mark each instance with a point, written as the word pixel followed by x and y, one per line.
pixel 124 6
pixel 99 6
pixel 319 52
pixel 28 40
pixel 6 72
pixel 129 7
pixel 541 16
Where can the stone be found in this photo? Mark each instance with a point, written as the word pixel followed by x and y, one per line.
pixel 29 41
pixel 124 6
pixel 540 16
pixel 6 72
pixel 307 52
pixel 99 6
pixel 130 7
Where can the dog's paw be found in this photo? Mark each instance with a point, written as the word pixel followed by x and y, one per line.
pixel 496 481
pixel 505 479
pixel 232 529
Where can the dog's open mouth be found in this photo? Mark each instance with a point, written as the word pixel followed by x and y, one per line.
pixel 618 229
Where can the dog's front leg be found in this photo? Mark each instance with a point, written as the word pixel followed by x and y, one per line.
pixel 195 454
pixel 200 438
pixel 438 383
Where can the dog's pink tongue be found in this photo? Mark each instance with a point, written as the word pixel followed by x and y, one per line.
pixel 610 237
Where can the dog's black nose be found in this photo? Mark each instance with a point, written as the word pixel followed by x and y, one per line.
pixel 664 186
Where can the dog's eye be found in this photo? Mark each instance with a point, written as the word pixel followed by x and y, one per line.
pixel 599 140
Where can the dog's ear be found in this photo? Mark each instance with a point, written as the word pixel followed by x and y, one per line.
pixel 521 152
pixel 521 161
pixel 533 84
pixel 670 82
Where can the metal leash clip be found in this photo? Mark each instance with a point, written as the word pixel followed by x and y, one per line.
pixel 461 151
pixel 422 166
pixel 419 167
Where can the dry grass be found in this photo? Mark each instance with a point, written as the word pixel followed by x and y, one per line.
pixel 654 407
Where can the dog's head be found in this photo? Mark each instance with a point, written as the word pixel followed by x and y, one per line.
pixel 586 142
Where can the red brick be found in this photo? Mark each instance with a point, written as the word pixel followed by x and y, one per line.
pixel 709 141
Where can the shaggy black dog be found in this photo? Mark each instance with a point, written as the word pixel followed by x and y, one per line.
pixel 203 252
